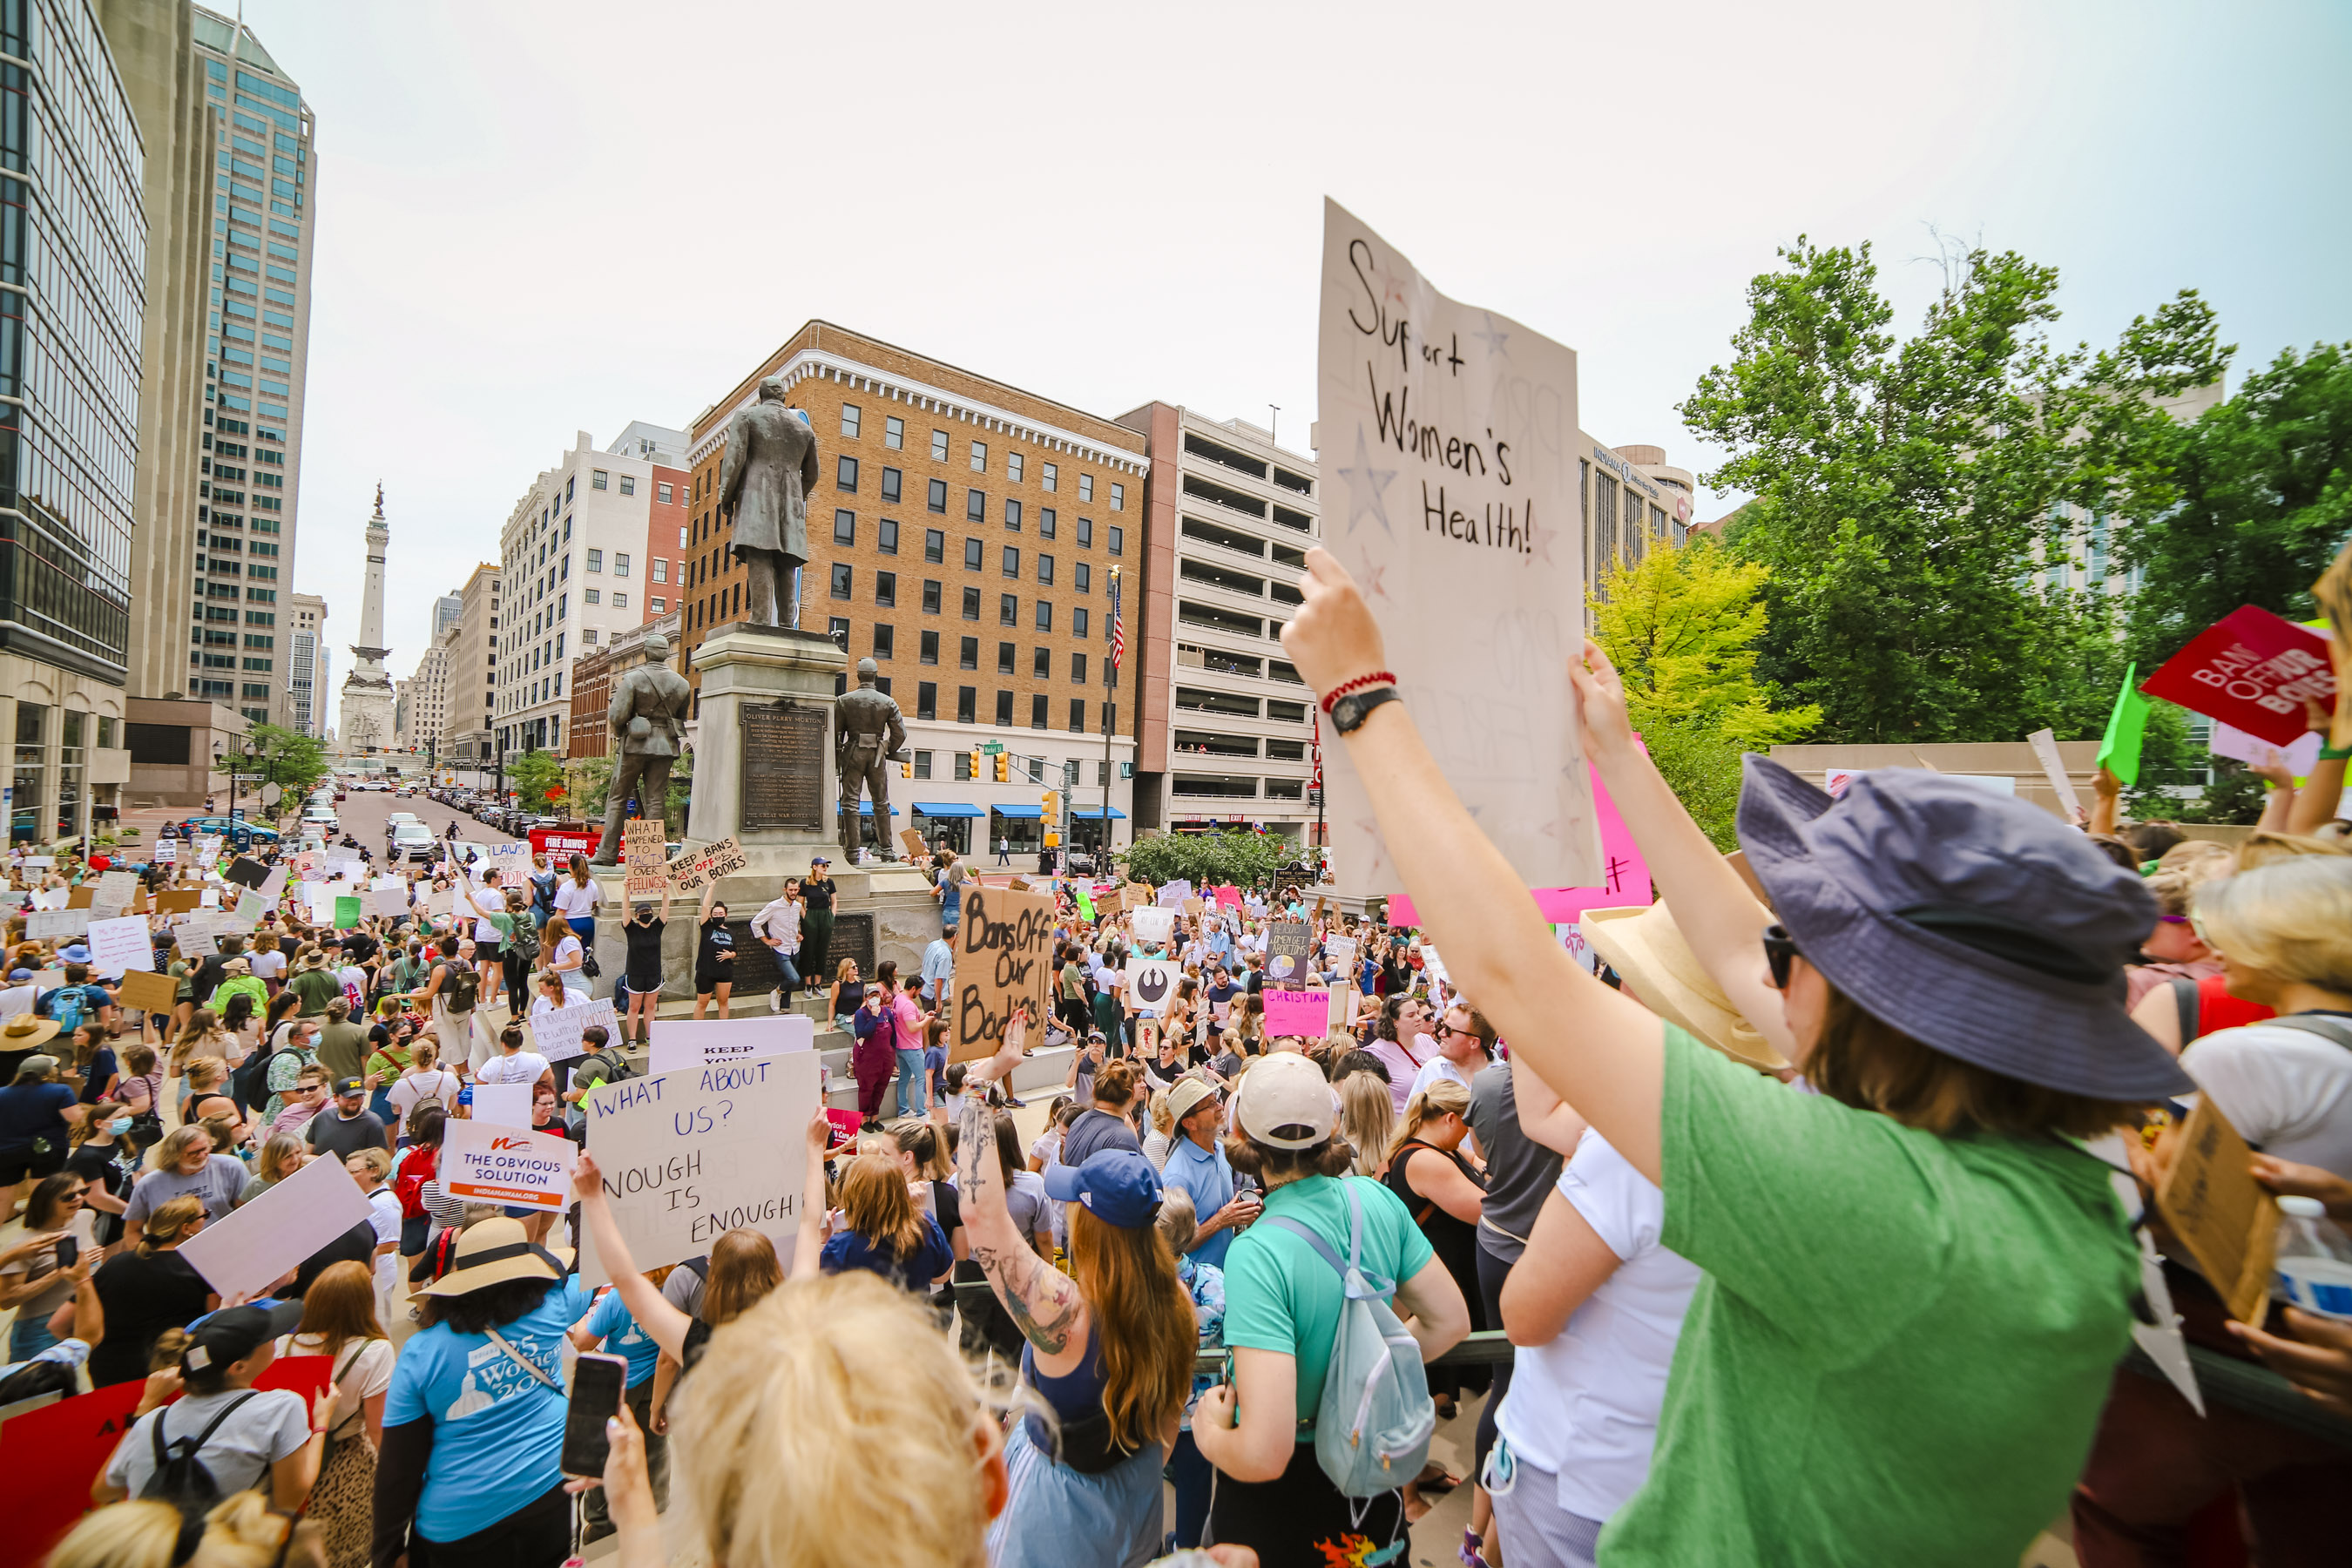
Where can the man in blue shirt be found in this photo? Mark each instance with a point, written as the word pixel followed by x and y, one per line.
pixel 1196 1163
pixel 939 968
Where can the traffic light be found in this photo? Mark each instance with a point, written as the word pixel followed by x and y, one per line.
pixel 1053 805
pixel 906 769
pixel 975 764
pixel 1003 767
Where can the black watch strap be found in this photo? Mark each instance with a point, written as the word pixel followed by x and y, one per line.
pixel 1349 713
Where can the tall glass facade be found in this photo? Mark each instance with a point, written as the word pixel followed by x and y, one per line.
pixel 73 263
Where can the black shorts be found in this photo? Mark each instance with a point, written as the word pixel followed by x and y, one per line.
pixel 487 951
pixel 19 1163
pixel 708 980
pixel 642 984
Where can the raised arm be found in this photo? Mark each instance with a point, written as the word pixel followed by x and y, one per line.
pixel 1043 1301
pixel 655 1315
pixel 808 1242
pixel 1599 1051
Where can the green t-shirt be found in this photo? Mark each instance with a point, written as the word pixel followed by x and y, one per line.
pixel 317 987
pixel 1279 1294
pixel 1902 1344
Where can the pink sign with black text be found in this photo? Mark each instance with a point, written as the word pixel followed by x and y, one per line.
pixel 1625 875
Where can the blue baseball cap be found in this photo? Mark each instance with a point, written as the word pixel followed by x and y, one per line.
pixel 1118 1185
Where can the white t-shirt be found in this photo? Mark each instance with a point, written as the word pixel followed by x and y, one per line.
pixel 1585 1406
pixel 18 999
pixel 2287 1092
pixel 1437 1067
pixel 366 1369
pixel 269 964
pixel 479 900
pixel 415 1089
pixel 575 980
pixel 523 1067
pixel 265 1428
pixel 576 901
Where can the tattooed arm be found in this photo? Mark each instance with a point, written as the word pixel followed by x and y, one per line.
pixel 1042 1299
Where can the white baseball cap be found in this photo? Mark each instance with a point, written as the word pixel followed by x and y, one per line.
pixel 1285 1103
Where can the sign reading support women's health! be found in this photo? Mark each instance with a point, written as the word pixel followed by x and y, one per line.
pixel 1449 458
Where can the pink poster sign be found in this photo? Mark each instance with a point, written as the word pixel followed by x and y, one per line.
pixel 1297 1013
pixel 1230 897
pixel 1626 876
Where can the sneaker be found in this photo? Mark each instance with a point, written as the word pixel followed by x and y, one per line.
pixel 776 1000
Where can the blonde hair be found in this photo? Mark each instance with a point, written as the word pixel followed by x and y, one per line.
pixel 169 1223
pixel 241 1533
pixel 1163 1119
pixel 2265 848
pixel 375 1157
pixel 839 1387
pixel 270 1163
pixel 2200 856
pixel 1443 1097
pixel 878 1205
pixel 2291 919
pixel 1367 1119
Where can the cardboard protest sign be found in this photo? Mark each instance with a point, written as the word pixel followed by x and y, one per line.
pixel 2127 728
pixel 81 896
pixel 178 900
pixel 489 1163
pixel 2252 670
pixel 1452 495
pixel 556 1036
pixel 254 1244
pixel 913 843
pixel 1193 907
pixel 1154 924
pixel 689 873
pixel 676 1044
pixel 197 942
pixel 274 888
pixel 1304 1013
pixel 118 945
pixel 2045 752
pixel 503 1104
pixel 41 925
pixel 2231 742
pixel 687 1156
pixel 2228 1221
pixel 1172 895
pixel 1151 981
pixel 1003 955
pixel 645 857
pixel 150 992
pixel 1625 875
pixel 1287 946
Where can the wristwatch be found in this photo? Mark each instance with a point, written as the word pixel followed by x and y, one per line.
pixel 1348 714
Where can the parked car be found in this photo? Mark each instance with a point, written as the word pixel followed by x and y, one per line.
pixel 413 841
pixel 240 833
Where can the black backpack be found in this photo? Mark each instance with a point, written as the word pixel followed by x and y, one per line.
pixel 181 1478
pixel 249 1084
pixel 463 988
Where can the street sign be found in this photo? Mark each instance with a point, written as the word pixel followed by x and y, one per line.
pixel 993 747
pixel 271 794
pixel 1315 797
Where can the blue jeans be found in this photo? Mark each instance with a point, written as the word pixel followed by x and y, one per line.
pixel 910 1072
pixel 1191 1475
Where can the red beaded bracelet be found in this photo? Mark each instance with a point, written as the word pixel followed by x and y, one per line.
pixel 1377 677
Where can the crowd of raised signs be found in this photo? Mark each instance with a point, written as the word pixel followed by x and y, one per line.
pixel 1875 1196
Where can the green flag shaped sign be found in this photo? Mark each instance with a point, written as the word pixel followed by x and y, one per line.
pixel 2126 727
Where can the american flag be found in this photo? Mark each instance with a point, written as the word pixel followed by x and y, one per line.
pixel 1118 630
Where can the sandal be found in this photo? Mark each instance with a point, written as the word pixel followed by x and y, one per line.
pixel 1433 1478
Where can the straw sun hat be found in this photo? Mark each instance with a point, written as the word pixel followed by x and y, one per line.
pixel 1645 947
pixel 493 1251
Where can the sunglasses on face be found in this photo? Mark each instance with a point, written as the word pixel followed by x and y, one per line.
pixel 1780 951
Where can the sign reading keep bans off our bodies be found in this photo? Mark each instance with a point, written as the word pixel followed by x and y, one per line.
pixel 1004 956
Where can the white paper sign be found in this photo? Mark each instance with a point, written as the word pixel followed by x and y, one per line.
pixel 278 1231
pixel 208 848
pixel 687 1156
pixel 680 1043
pixel 2045 751
pixel 115 889
pixel 250 908
pixel 390 902
pixel 116 945
pixel 486 1164
pixel 503 1104
pixel 1150 982
pixel 274 889
pixel 1172 895
pixel 1153 924
pixel 195 943
pixel 42 924
pixel 1340 954
pixel 556 1036
pixel 2235 744
pixel 167 850
pixel 1451 495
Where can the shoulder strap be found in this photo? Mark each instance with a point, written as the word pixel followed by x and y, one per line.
pixel 515 1356
pixel 2337 1030
pixel 201 1437
pixel 1328 1253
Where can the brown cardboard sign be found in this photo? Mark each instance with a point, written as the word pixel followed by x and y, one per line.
pixel 2225 1218
pixel 179 900
pixel 689 871
pixel 148 992
pixel 1193 907
pixel 1003 955
pixel 1021 884
pixel 80 898
pixel 1738 862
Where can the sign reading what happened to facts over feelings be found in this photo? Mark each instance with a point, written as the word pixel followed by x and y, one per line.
pixel 1451 496
pixel 1003 955
pixel 687 1156
pixel 644 854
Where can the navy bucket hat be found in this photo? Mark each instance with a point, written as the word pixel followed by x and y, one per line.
pixel 1976 924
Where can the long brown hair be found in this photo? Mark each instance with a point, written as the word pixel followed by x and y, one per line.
pixel 743 1270
pixel 1871 1064
pixel 340 1306
pixel 1143 1322
pixel 874 1200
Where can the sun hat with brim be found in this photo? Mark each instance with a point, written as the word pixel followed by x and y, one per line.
pixel 493 1251
pixel 24 1031
pixel 1284 1102
pixel 1976 924
pixel 1185 1098
pixel 1645 947
pixel 1118 1185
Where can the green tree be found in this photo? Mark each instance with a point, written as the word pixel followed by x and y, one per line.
pixel 1246 858
pixel 290 760
pixel 1908 490
pixel 592 781
pixel 531 775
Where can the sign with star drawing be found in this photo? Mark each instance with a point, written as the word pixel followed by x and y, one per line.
pixel 1450 494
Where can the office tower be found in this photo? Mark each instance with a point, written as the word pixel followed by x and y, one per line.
pixel 306 681
pixel 447 611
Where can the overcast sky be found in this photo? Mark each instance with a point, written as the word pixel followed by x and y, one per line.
pixel 539 219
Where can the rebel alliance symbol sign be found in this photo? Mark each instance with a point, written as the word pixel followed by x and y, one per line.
pixel 1151 982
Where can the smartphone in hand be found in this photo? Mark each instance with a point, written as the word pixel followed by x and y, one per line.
pixel 598 1384
pixel 68 1253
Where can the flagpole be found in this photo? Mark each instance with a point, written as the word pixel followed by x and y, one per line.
pixel 1108 709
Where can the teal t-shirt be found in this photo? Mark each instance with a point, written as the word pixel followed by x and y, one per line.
pixel 610 1321
pixel 1901 1346
pixel 1280 1295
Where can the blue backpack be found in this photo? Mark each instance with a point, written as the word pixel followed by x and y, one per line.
pixel 1374 1421
pixel 68 1005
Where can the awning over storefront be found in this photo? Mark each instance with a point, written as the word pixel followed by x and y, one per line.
pixel 1020 812
pixel 866 808
pixel 1095 812
pixel 947 808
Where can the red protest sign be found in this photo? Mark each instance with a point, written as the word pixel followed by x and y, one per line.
pixel 2252 670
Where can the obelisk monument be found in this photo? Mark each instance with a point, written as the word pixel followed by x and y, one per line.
pixel 364 719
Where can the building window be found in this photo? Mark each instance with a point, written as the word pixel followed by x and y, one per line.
pixel 596 479
pixel 927 706
pixel 891 482
pixel 1045 615
pixel 939 445
pixel 1044 522
pixel 849 420
pixel 1117 540
pixel 971 604
pixel 1008 610
pixel 1079 623
pixel 841 580
pixel 963 759
pixel 661 494
pixel 929 650
pixel 971 554
pixel 845 474
pixel 1012 562
pixel 1004 655
pixel 967 705
pixel 893 432
pixel 1086 486
pixel 1048 476
pixel 1041 664
pixel 1011 515
pixel 661 569
pixel 595 561
pixel 837 628
pixel 1117 498
pixel 938 495
pixel 620 564
pixel 1085 533
pixel 1036 721
pixel 886 588
pixel 1078 669
pixel 927 702
pixel 659 606
pixel 844 527
pixel 931 597
pixel 1085 580
pixel 980 456
pixel 1004 709
pixel 591 597
pixel 620 601
pixel 975 505
pixel 1013 466
pixel 1078 715
pixel 886 640
pixel 1046 569
pixel 935 545
pixel 628 484
pixel 886 536
pixel 968 655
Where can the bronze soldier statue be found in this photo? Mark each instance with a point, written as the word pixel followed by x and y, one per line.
pixel 647 718
pixel 763 482
pixel 868 735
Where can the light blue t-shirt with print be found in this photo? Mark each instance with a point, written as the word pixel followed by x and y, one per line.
pixel 610 1321
pixel 498 1431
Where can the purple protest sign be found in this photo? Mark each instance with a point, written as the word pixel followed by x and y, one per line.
pixel 1296 1012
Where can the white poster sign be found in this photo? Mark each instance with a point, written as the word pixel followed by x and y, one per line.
pixel 167 850
pixel 1340 954
pixel 1451 495
pixel 259 1243
pixel 116 945
pixel 2045 752
pixel 2231 742
pixel 250 908
pixel 687 1156
pixel 115 891
pixel 483 1163
pixel 41 925
pixel 557 1035
pixel 1172 895
pixel 390 902
pixel 680 1043
pixel 503 1104
pixel 1153 924
pixel 1151 982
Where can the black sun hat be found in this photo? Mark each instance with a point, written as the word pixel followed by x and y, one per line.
pixel 1976 924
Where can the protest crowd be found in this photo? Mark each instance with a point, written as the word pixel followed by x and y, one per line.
pixel 1806 1211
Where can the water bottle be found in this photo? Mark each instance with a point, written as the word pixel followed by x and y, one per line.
pixel 2314 1260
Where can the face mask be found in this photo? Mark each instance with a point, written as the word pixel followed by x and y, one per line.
pixel 118 1127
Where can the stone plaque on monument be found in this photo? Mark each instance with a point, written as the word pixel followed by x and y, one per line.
pixel 755 961
pixel 782 779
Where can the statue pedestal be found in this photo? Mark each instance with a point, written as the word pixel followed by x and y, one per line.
pixel 763 748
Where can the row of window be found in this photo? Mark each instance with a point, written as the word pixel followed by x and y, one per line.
pixel 967 711
pixel 1049 474
pixel 885 645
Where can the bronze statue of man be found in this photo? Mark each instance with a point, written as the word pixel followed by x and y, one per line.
pixel 648 717
pixel 763 482
pixel 868 735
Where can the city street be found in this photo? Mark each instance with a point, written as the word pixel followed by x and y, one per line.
pixel 362 815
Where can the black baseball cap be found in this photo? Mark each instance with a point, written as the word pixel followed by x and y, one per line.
pixel 236 1332
pixel 344 1086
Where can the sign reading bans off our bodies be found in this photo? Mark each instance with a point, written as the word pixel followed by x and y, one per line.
pixel 1003 955
pixel 688 1156
pixel 1449 454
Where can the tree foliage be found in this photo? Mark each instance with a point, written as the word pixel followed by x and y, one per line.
pixel 531 775
pixel 1905 489
pixel 290 760
pixel 1244 859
